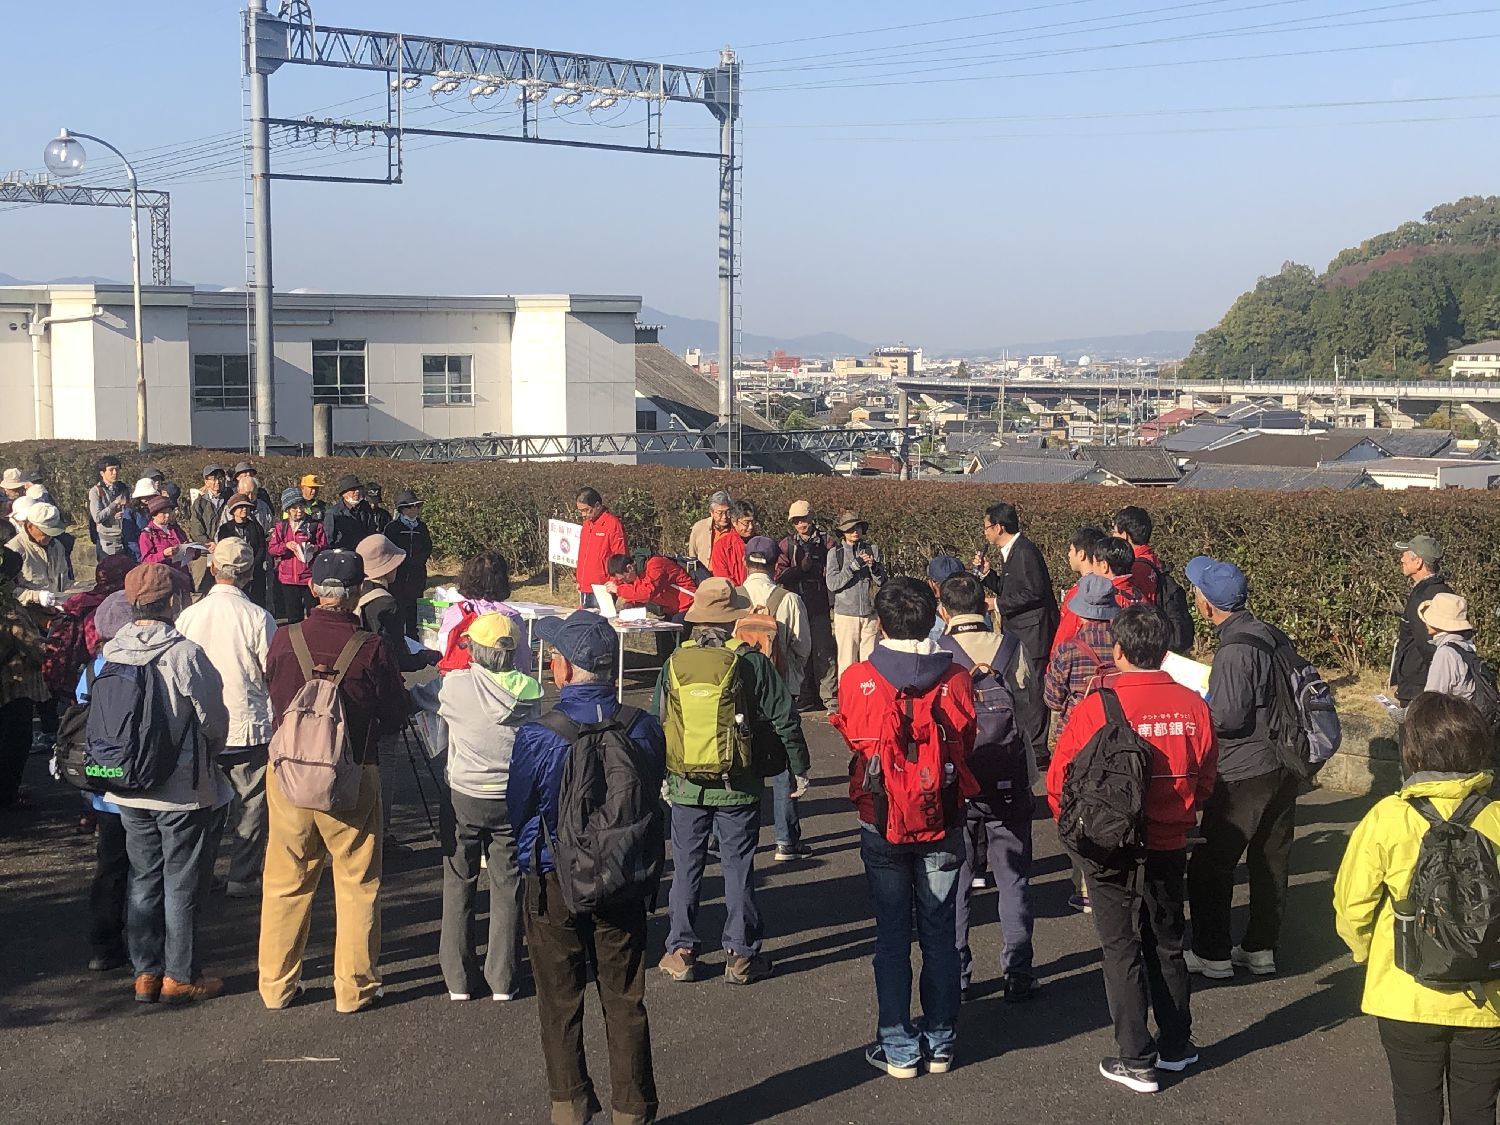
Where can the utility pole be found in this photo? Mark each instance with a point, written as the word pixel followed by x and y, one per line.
pixel 727 111
pixel 262 59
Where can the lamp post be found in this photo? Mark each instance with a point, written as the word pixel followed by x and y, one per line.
pixel 65 156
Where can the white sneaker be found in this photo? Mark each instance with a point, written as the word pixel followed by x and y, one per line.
pixel 1213 970
pixel 1261 963
pixel 458 996
pixel 503 996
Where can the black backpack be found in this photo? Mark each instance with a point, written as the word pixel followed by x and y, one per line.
pixel 1172 600
pixel 1448 926
pixel 130 746
pixel 70 753
pixel 610 845
pixel 1102 814
pixel 1486 695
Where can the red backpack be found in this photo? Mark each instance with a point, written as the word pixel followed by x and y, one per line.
pixel 916 772
pixel 456 651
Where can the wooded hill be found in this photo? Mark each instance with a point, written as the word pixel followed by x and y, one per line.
pixel 1398 302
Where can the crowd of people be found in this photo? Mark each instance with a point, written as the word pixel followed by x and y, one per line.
pixel 235 666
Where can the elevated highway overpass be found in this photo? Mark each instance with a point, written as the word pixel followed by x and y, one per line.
pixel 1426 390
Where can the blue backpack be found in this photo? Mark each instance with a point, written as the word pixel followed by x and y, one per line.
pixel 998 761
pixel 130 746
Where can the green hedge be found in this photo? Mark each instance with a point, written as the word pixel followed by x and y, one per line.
pixel 1321 564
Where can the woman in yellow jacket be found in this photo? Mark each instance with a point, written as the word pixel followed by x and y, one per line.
pixel 1431 1037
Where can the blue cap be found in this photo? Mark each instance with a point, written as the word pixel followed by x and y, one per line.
pixel 1222 583
pixel 944 567
pixel 1094 599
pixel 761 550
pixel 584 639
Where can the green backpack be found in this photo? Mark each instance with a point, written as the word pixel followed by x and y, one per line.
pixel 708 736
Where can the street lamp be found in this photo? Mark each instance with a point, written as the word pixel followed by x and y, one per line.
pixel 65 156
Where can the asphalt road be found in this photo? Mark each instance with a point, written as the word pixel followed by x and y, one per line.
pixel 75 1049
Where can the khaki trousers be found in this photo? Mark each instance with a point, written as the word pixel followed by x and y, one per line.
pixel 300 844
pixel 855 637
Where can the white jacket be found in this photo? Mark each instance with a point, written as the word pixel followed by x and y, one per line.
pixel 791 616
pixel 235 634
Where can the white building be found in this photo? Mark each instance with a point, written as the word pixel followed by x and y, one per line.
pixel 393 367
pixel 1477 361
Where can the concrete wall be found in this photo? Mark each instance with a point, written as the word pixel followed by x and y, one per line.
pixel 539 365
pixel 395 342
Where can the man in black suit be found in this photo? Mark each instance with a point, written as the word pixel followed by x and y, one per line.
pixel 1026 603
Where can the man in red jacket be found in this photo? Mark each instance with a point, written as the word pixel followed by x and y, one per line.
pixel 660 583
pixel 601 539
pixel 1144 967
pixel 909 880
pixel 1134 525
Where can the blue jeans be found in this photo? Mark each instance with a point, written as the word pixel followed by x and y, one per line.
pixel 927 875
pixel 738 830
pixel 788 823
pixel 1006 842
pixel 167 853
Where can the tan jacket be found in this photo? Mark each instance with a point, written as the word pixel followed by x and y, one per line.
pixel 701 541
pixel 42 568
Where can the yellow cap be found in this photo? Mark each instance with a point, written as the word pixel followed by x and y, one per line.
pixel 493 630
pixel 311 481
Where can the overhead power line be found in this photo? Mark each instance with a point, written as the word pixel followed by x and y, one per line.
pixel 1124 67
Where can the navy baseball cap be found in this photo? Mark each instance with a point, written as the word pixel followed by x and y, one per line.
pixel 584 639
pixel 1222 583
pixel 944 567
pixel 761 550
pixel 338 568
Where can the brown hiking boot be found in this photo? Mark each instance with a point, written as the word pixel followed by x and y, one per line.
pixel 679 964
pixel 204 988
pixel 147 988
pixel 747 970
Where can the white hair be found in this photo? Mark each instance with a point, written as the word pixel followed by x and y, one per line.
pixel 492 658
pixel 333 591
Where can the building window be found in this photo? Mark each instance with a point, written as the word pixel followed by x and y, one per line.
pixel 338 372
pixel 221 382
pixel 447 380
pixel 645 421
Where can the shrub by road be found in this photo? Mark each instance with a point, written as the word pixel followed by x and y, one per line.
pixel 1321 565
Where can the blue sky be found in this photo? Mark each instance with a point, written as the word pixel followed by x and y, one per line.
pixel 979 173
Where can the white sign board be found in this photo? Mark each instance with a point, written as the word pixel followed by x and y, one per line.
pixel 562 542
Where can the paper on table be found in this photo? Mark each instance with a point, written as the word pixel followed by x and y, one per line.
pixel 606 601
pixel 636 614
pixel 1188 673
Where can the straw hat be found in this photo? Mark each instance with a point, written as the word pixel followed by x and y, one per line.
pixel 717 602
pixel 381 556
pixel 1447 613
